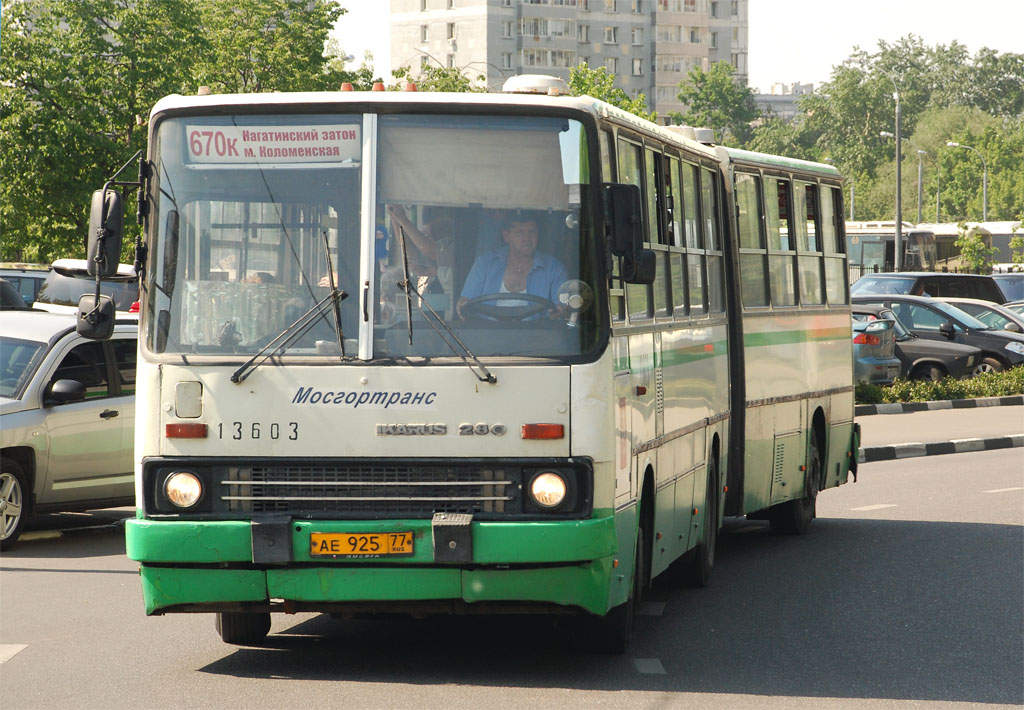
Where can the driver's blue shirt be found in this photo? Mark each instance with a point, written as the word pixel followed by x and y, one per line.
pixel 544 279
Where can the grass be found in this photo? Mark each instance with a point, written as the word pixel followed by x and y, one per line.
pixel 989 384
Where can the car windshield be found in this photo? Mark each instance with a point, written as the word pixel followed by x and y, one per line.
pixel 1012 285
pixel 875 284
pixel 472 227
pixel 18 360
pixel 965 318
pixel 64 289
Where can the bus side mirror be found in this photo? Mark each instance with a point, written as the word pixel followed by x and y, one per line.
pixel 624 213
pixel 106 232
pixel 95 322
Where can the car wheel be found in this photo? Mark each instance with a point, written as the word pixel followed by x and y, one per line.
pixel 13 503
pixel 988 364
pixel 928 372
pixel 243 628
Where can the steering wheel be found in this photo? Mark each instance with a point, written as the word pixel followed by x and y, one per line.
pixel 484 306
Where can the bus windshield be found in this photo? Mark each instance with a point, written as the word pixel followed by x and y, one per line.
pixel 438 227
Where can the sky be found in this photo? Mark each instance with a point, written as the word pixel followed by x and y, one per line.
pixel 787 40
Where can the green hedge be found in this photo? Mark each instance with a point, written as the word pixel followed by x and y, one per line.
pixel 989 384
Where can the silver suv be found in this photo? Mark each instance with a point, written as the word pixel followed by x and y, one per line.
pixel 67 414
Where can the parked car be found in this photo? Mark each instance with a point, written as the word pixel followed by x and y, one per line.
pixel 67 413
pixel 990 313
pixel 922 358
pixel 1015 306
pixel 874 358
pixel 10 299
pixel 930 284
pixel 69 280
pixel 1011 284
pixel 26 279
pixel 935 320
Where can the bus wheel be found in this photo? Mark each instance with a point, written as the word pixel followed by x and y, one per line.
pixel 243 628
pixel 794 517
pixel 13 503
pixel 701 559
pixel 611 633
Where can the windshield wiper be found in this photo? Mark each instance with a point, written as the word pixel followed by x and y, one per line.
pixel 476 367
pixel 288 335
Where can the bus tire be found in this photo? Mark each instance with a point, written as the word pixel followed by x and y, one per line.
pixel 243 628
pixel 611 633
pixel 794 517
pixel 13 502
pixel 701 560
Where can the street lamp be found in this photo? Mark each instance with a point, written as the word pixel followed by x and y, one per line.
pixel 899 175
pixel 984 178
pixel 920 173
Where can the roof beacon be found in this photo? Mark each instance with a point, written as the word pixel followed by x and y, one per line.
pixel 536 84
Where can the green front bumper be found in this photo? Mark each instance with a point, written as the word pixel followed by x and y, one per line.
pixel 192 564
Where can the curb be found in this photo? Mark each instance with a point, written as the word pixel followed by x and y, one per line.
pixel 861 410
pixel 892 452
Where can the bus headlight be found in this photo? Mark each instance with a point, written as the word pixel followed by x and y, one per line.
pixel 183 489
pixel 548 489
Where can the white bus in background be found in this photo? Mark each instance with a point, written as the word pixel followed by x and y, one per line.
pixel 357 401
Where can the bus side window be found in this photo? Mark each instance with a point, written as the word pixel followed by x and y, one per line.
pixel 831 226
pixel 712 229
pixel 657 229
pixel 694 239
pixel 753 265
pixel 630 165
pixel 782 278
pixel 677 256
pixel 805 211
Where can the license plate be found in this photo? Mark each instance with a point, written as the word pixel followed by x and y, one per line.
pixel 390 544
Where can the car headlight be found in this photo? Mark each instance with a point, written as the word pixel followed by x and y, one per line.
pixel 183 489
pixel 1015 347
pixel 548 489
pixel 970 360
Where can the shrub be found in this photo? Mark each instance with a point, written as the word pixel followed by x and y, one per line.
pixel 989 384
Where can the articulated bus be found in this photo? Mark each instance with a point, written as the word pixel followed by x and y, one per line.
pixel 871 248
pixel 469 353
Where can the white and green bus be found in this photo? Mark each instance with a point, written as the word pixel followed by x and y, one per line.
pixel 469 353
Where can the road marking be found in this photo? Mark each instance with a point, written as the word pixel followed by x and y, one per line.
pixel 1004 490
pixel 9 650
pixel 41 535
pixel 651 609
pixel 649 665
pixel 879 506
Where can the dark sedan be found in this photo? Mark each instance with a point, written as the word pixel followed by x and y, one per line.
pixel 935 320
pixel 922 358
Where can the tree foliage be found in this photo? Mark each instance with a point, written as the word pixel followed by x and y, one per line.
pixel 78 78
pixel 974 252
pixel 437 78
pixel 598 83
pixel 717 101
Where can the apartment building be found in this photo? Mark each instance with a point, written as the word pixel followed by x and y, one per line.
pixel 650 45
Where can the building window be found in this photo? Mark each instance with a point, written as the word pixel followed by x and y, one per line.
pixel 506 3
pixel 423 5
pixel 735 35
pixel 583 61
pixel 689 5
pixel 714 40
pixel 451 61
pixel 424 60
pixel 714 9
pixel 506 60
pixel 610 5
pixel 423 33
pixel 734 59
pixel 611 64
pixel 734 8
pixel 611 35
pixel 451 30
pixel 583 33
pixel 638 7
pixel 451 4
pixel 506 29
pixel 637 35
pixel 694 35
pixel 638 67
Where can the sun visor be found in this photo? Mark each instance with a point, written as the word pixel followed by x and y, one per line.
pixel 498 168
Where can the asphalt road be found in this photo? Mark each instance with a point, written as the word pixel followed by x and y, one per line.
pixel 907 593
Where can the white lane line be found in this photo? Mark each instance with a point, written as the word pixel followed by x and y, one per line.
pixel 651 609
pixel 879 506
pixel 649 665
pixel 1004 490
pixel 9 650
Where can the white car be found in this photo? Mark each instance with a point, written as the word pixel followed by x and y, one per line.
pixel 69 280
pixel 67 415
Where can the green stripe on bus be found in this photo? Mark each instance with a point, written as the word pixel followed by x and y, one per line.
pixel 789 337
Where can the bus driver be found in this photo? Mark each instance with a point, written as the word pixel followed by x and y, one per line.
pixel 516 267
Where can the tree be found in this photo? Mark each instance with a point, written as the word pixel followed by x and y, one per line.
pixel 598 83
pixel 974 252
pixel 718 102
pixel 78 78
pixel 437 78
